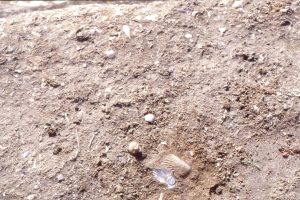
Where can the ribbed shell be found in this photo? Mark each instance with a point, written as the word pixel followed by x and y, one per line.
pixel 175 164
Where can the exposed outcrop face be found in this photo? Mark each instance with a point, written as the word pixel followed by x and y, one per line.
pixel 149 100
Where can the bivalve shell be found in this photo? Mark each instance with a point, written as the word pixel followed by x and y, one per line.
pixel 177 165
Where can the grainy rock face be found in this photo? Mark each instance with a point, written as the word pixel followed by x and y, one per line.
pixel 220 77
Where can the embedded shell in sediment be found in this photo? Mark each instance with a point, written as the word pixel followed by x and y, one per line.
pixel 171 162
pixel 165 176
pixel 175 164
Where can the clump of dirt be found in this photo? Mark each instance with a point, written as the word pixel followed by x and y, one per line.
pixel 221 79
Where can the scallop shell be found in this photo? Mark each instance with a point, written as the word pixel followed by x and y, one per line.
pixel 175 164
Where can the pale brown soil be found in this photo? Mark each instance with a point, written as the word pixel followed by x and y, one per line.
pixel 226 103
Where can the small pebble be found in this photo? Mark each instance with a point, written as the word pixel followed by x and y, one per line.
pixel 26 154
pixel 119 189
pixel 60 178
pixel 195 13
pixel 222 30
pixel 134 148
pixel 237 4
pixel 149 118
pixel 31 197
pixel 284 10
pixel 188 36
pixel 225 2
pixel 110 54
pixel 57 150
pixel 285 154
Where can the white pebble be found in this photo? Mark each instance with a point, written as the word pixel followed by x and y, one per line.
pixel 149 118
pixel 222 30
pixel 110 54
pixel 237 4
pixel 134 148
pixel 25 154
pixel 225 2
pixel 31 197
pixel 60 178
pixel 188 36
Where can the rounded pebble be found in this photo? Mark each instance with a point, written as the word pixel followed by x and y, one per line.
pixel 60 178
pixel 149 118
pixel 188 36
pixel 31 197
pixel 134 148
pixel 110 54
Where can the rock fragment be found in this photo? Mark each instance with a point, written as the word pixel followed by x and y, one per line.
pixel 222 30
pixel 126 30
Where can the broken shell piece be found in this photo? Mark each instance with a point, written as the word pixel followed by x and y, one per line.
pixel 126 30
pixel 134 148
pixel 176 165
pixel 165 176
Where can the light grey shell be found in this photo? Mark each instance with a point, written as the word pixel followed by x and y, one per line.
pixel 165 176
pixel 175 164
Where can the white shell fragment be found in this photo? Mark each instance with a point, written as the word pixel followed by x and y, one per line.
pixel 134 148
pixel 165 176
pixel 126 30
pixel 149 118
pixel 176 165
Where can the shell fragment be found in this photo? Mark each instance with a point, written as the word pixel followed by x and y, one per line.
pixel 165 176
